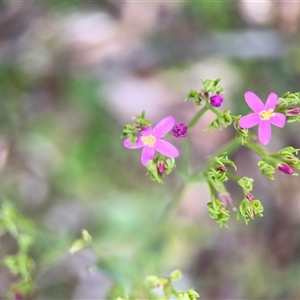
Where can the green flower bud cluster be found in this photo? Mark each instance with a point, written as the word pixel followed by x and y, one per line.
pixel 287 104
pixel 217 211
pixel 224 119
pixel 289 99
pixel 132 130
pixel 166 285
pixel 284 160
pixel 266 169
pixel 249 207
pixel 160 166
pixel 209 87
pixel 288 157
pixel 242 133
pixel 218 171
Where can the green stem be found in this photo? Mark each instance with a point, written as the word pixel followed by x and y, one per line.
pixel 229 148
pixel 256 148
pixel 172 203
pixel 215 111
pixel 197 116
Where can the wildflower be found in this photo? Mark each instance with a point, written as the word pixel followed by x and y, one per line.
pixel 151 140
pixel 263 116
pixel 180 130
pixel 216 100
pixel 285 168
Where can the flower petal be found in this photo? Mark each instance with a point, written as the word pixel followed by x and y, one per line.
pixel 254 102
pixel 271 101
pixel 146 131
pixel 166 148
pixel 147 154
pixel 249 120
pixel 264 132
pixel 278 120
pixel 163 127
pixel 138 144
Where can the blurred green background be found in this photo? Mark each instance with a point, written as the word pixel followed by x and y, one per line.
pixel 72 73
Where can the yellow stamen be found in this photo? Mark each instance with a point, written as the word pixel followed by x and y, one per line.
pixel 148 140
pixel 267 114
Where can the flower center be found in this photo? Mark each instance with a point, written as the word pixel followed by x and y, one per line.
pixel 267 114
pixel 148 140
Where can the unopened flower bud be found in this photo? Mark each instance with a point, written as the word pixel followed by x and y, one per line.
pixel 293 111
pixel 249 196
pixel 216 100
pixel 221 169
pixel 180 130
pixel 285 168
pixel 18 296
pixel 161 167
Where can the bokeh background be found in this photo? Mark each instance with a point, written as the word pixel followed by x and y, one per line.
pixel 73 72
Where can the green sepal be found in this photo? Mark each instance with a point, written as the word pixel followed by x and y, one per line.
pixel 224 119
pixel 195 96
pixel 152 167
pixel 287 156
pixel 224 160
pixel 153 172
pixel 131 131
pixel 217 175
pixel 212 86
pixel 249 209
pixel 242 133
pixel 217 212
pixel 289 99
pixel 266 169
pixel 247 184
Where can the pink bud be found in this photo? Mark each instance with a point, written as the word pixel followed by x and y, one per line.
pixel 161 167
pixel 18 296
pixel 216 100
pixel 250 197
pixel 180 130
pixel 293 111
pixel 285 168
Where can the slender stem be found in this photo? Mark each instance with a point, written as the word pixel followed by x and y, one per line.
pixel 230 147
pixel 172 203
pixel 186 155
pixel 256 148
pixel 197 116
pixel 215 111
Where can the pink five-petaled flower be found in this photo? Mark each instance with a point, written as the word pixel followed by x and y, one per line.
pixel 263 116
pixel 151 140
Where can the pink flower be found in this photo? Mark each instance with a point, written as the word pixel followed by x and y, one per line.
pixel 151 140
pixel 263 116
